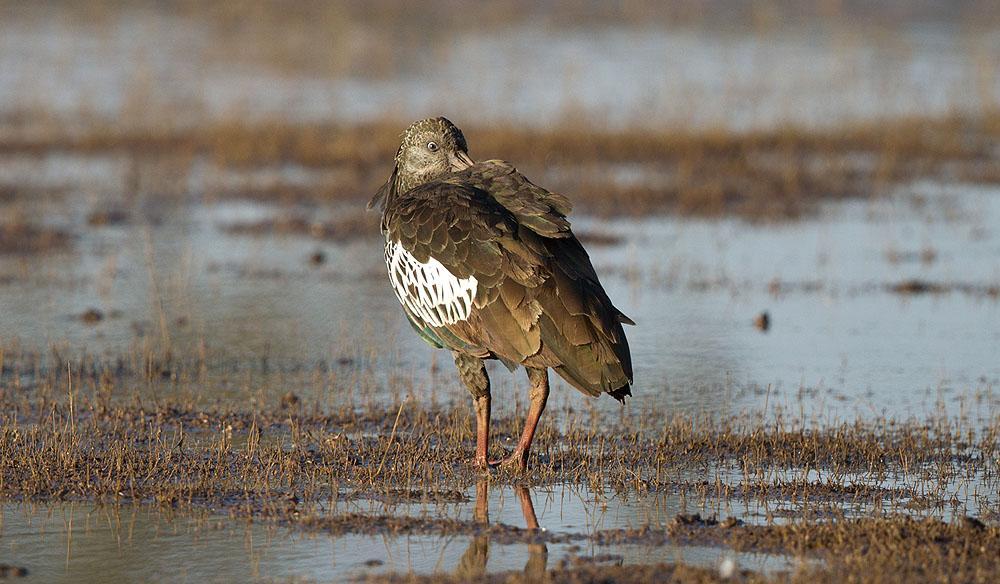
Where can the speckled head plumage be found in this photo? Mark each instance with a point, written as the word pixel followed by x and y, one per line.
pixel 439 129
pixel 430 148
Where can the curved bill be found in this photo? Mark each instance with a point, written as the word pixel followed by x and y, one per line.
pixel 460 160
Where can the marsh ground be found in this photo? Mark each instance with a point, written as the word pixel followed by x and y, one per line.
pixel 204 377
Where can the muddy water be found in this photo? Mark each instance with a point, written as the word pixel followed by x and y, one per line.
pixel 841 342
pixel 841 345
pixel 268 321
pixel 84 543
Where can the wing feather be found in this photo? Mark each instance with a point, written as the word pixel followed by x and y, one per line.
pixel 538 299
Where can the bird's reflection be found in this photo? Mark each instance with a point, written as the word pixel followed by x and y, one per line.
pixel 473 562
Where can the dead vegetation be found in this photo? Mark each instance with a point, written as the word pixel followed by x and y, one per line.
pixel 341 228
pixel 110 216
pixel 8 571
pixel 902 548
pixel 81 433
pixel 769 174
pixel 844 496
pixel 917 287
pixel 29 238
pixel 582 572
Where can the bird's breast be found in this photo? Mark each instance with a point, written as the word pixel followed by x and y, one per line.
pixel 428 289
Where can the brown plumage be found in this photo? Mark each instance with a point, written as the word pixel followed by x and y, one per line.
pixel 486 265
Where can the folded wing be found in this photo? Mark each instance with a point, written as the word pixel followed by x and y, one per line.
pixel 486 262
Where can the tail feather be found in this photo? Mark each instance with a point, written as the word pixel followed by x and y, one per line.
pixel 621 393
pixel 593 367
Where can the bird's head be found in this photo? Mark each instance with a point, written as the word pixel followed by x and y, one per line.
pixel 430 149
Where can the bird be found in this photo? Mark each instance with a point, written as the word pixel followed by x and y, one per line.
pixel 485 264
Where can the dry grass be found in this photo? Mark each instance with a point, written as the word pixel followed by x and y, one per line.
pixel 313 20
pixel 80 431
pixel 29 238
pixel 904 549
pixel 765 174
pixel 343 227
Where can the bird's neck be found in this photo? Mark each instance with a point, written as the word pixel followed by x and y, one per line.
pixel 405 182
pixel 410 178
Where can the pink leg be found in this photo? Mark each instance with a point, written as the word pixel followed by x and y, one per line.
pixel 472 372
pixel 539 396
pixel 483 404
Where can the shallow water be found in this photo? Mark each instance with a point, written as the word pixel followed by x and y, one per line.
pixel 84 543
pixel 841 344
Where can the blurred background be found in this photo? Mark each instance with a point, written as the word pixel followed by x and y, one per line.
pixel 720 64
pixel 797 202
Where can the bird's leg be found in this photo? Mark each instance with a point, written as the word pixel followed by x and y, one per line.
pixel 518 459
pixel 472 371
pixel 483 405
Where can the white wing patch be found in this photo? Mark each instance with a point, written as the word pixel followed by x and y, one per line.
pixel 429 290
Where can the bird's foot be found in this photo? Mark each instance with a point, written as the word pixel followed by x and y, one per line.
pixel 516 462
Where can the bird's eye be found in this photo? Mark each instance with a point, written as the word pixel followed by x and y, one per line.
pixel 432 146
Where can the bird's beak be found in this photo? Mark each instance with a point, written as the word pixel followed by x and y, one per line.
pixel 460 160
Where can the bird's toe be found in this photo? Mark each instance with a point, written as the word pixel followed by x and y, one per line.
pixel 517 462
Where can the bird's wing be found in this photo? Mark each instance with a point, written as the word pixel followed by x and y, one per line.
pixel 450 255
pixel 478 264
pixel 595 354
pixel 537 209
pixel 543 212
